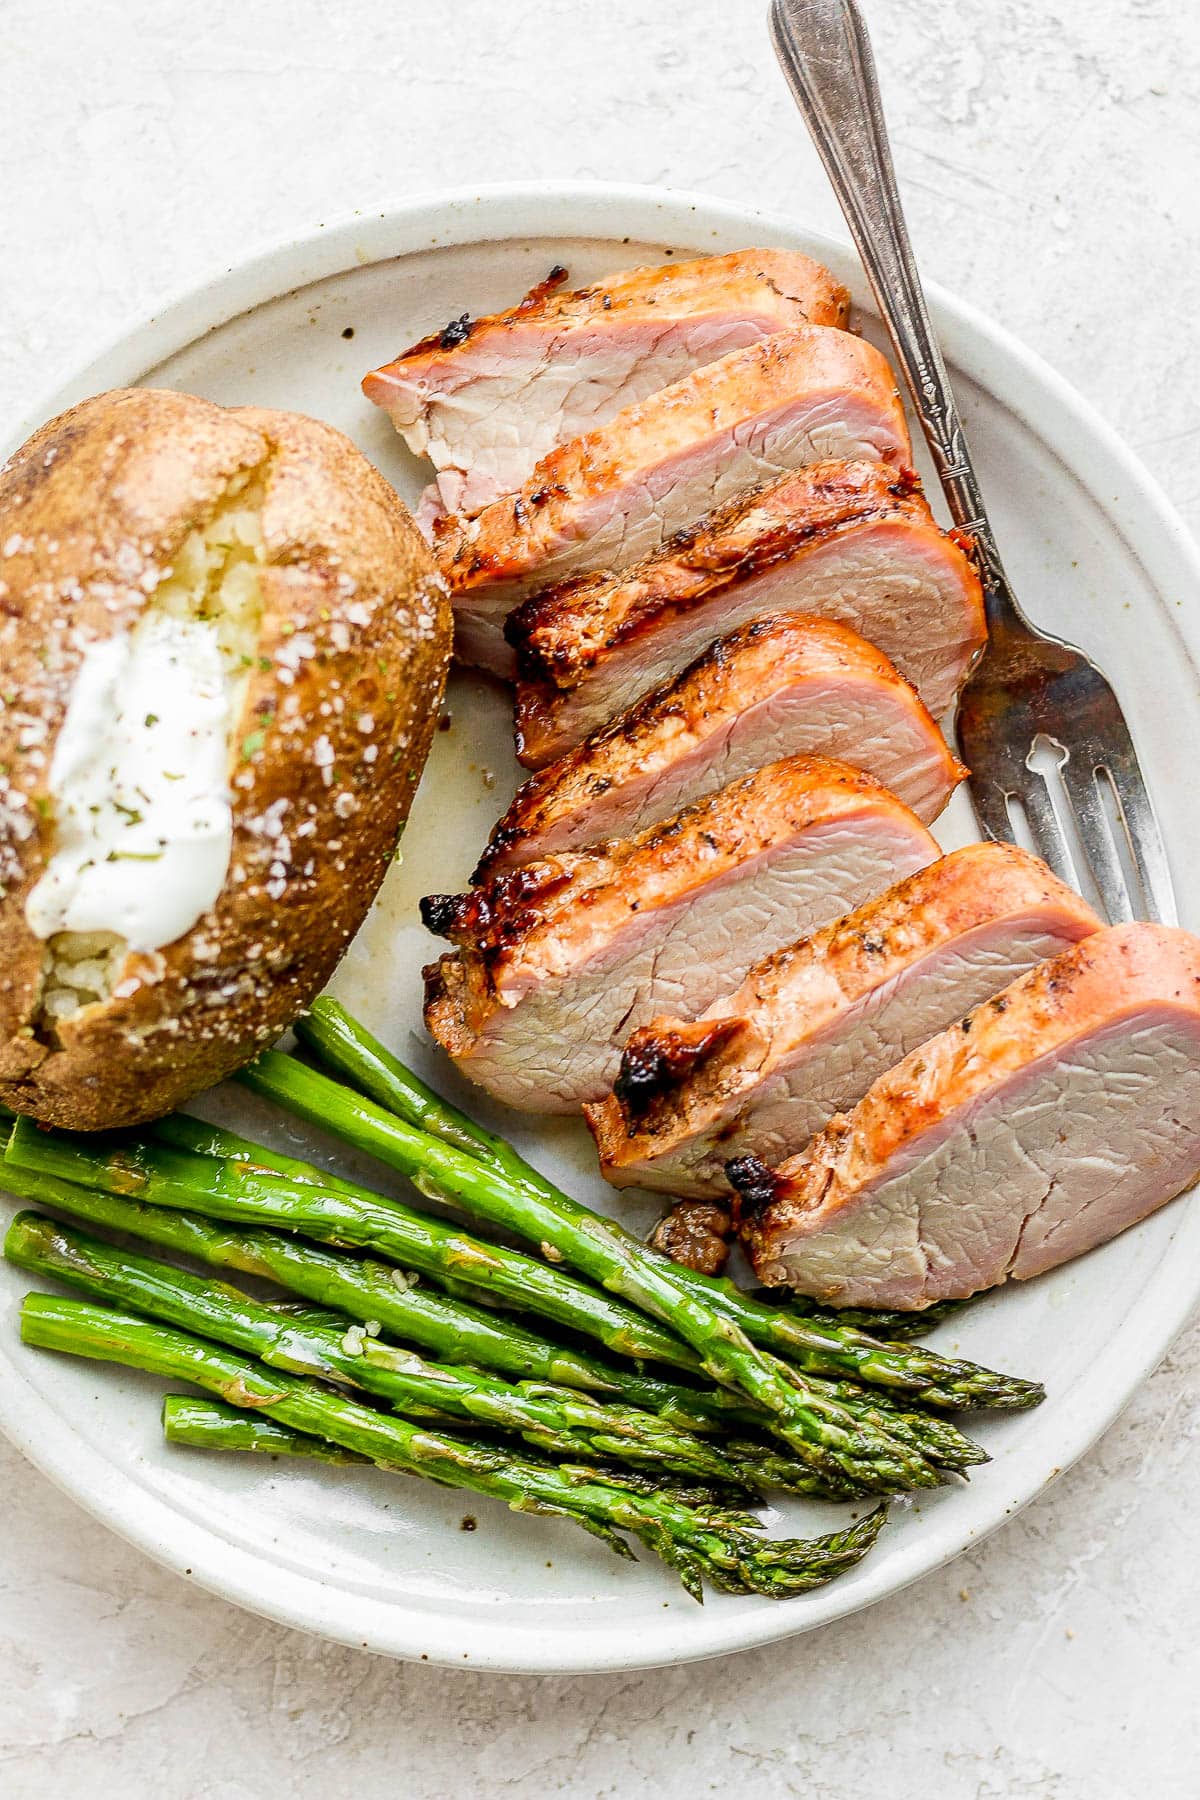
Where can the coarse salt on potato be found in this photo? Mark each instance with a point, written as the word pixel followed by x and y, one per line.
pixel 142 533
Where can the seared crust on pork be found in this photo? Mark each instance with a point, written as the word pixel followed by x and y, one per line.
pixel 854 542
pixel 810 1027
pixel 614 495
pixel 558 960
pixel 782 684
pixel 93 512
pixel 1048 1120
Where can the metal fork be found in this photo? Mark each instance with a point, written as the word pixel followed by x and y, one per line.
pixel 1032 703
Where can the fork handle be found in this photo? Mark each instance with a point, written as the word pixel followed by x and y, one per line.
pixel 825 54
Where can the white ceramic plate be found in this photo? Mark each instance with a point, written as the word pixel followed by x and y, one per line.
pixel 381 1562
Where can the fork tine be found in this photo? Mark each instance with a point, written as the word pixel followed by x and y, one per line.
pixel 1048 834
pixel 991 809
pixel 1141 825
pixel 1082 783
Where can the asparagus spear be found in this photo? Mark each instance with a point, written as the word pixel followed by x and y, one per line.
pixel 553 1419
pixel 835 1443
pixel 211 1425
pixel 393 1089
pixel 374 1292
pixel 701 1543
pixel 713 1314
pixel 938 1439
pixel 900 1327
pixel 351 1051
pixel 342 1214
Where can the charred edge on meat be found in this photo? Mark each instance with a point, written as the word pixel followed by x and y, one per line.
pixel 541 291
pixel 492 917
pixel 692 547
pixel 655 1063
pixel 456 332
pixel 755 1185
pixel 439 912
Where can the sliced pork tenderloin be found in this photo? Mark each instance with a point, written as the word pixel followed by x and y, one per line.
pixel 608 498
pixel 854 542
pixel 780 685
pixel 1053 1117
pixel 811 1027
pixel 485 399
pixel 560 959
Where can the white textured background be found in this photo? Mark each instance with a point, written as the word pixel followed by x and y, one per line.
pixel 1050 154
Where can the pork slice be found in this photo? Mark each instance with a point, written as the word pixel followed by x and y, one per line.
pixel 811 1027
pixel 560 959
pixel 854 542
pixel 485 399
pixel 782 684
pixel 616 494
pixel 1053 1117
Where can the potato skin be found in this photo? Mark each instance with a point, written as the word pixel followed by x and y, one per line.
pixel 339 711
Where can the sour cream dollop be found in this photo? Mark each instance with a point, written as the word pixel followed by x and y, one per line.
pixel 139 782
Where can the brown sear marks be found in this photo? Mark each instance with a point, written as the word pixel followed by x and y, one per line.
pixel 489 917
pixel 755 1187
pixel 564 629
pixel 541 291
pixel 654 1063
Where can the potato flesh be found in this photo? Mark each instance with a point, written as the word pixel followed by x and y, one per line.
pixel 215 577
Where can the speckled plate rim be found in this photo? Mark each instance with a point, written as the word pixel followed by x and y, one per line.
pixel 1143 516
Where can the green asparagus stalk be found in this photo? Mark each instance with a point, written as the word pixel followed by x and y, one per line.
pixel 351 1217
pixel 395 1097
pixel 375 1294
pixel 899 1327
pixel 701 1543
pixel 354 1053
pixel 553 1419
pixel 833 1442
pixel 365 1290
pixel 940 1441
pixel 816 1427
pixel 722 1324
pixel 211 1425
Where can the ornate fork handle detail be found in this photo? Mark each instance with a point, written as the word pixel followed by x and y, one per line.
pixel 1029 692
pixel 826 58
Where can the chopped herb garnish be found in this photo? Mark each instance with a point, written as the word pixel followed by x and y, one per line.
pixel 252 744
pixel 151 719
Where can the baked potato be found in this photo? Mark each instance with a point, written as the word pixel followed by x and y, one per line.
pixel 223 646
